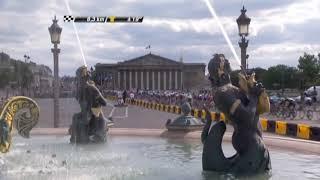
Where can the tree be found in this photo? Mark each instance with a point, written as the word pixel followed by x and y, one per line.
pixel 5 78
pixel 26 76
pixel 23 75
pixel 310 68
pixel 280 76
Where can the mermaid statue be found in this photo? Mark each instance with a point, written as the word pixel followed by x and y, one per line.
pixel 242 106
pixel 20 112
pixel 89 125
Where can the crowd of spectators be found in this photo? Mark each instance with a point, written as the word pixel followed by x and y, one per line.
pixel 170 97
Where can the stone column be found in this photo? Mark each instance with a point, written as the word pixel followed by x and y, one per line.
pixel 130 79
pixel 159 80
pixel 170 79
pixel 136 79
pixel 147 78
pixel 153 80
pixel 164 80
pixel 181 80
pixel 176 79
pixel 142 79
pixel 114 80
pixel 125 79
pixel 119 79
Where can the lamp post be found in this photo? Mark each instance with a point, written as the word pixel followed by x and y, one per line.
pixel 243 26
pixel 26 58
pixel 55 32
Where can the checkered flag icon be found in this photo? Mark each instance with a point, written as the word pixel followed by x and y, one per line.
pixel 68 18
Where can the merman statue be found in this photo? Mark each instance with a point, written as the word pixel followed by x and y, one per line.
pixel 20 112
pixel 242 106
pixel 89 125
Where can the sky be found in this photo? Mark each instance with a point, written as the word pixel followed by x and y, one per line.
pixel 280 31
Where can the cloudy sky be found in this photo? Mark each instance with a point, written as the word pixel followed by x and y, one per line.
pixel 280 30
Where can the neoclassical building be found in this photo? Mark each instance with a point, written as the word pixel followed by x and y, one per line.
pixel 151 72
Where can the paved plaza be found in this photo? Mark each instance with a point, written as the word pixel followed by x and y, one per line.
pixel 130 117
pixel 137 117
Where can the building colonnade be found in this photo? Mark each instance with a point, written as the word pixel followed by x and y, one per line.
pixel 149 79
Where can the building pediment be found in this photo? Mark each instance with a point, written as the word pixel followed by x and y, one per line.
pixel 150 60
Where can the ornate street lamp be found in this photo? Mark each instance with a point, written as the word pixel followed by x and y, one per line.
pixel 243 26
pixel 26 58
pixel 55 32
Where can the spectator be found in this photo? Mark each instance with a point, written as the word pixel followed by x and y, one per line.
pixel 132 97
pixel 166 97
pixel 124 96
pixel 302 97
pixel 314 94
pixel 120 98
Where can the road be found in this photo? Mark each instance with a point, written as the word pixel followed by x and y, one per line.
pixel 130 117
pixel 124 117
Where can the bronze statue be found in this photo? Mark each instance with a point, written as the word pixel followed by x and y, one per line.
pixel 21 112
pixel 89 125
pixel 242 107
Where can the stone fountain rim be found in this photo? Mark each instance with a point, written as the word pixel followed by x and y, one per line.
pixel 276 141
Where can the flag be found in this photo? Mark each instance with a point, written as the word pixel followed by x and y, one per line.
pixel 148 47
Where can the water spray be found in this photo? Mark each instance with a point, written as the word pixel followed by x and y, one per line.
pixel 225 35
pixel 76 32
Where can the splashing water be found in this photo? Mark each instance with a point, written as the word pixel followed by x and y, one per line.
pixel 225 35
pixel 76 32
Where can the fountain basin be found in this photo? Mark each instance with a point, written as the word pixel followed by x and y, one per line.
pixel 142 154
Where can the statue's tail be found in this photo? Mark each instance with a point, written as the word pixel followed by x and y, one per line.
pixel 21 111
pixel 213 158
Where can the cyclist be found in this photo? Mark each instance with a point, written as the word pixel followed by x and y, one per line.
pixel 290 103
pixel 314 94
pixel 288 108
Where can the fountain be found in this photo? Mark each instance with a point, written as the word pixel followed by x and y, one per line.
pixel 185 122
pixel 153 154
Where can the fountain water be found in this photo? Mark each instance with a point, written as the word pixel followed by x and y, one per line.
pixel 225 35
pixel 76 32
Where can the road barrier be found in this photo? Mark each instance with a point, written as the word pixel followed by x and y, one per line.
pixel 303 131
pixel 280 127
pixel 292 129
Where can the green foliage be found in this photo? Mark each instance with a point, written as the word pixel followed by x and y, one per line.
pixel 22 74
pixel 310 68
pixel 26 76
pixel 281 76
pixel 5 78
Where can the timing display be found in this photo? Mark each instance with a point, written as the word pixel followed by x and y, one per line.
pixel 103 19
